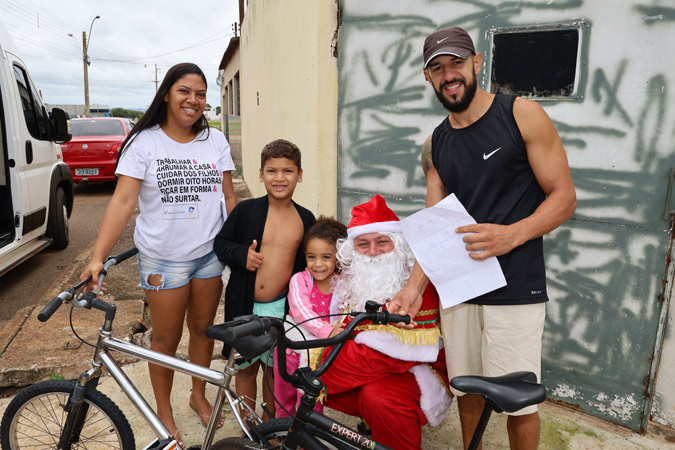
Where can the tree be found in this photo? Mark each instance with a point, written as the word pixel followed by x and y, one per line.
pixel 128 113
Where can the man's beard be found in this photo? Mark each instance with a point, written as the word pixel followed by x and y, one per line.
pixel 377 278
pixel 464 101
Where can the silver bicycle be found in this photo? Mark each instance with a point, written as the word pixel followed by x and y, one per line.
pixel 73 414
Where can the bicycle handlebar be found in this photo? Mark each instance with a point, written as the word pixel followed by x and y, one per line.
pixel 255 326
pixel 51 308
pixel 85 301
pixel 234 333
pixel 377 317
pixel 122 256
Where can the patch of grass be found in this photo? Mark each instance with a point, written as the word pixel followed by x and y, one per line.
pixel 55 376
pixel 553 436
pixel 234 127
pixel 556 435
pixel 215 123
pixel 591 433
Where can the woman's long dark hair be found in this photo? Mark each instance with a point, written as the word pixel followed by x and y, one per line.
pixel 156 113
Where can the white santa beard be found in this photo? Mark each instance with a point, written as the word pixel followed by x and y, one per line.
pixel 380 278
pixel 377 278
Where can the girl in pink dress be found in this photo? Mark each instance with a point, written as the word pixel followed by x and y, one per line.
pixel 309 297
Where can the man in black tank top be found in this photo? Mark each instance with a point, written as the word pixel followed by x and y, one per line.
pixel 503 159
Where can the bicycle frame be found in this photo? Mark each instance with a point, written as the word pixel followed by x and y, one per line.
pixel 77 408
pixel 307 415
pixel 103 358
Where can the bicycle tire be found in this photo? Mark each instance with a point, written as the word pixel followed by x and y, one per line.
pixel 35 417
pixel 236 443
pixel 58 221
pixel 275 431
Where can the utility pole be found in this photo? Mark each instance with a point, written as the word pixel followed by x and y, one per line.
pixel 85 59
pixel 156 80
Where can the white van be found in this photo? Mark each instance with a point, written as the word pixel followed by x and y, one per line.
pixel 36 187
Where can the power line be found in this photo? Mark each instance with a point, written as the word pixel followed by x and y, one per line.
pixel 224 33
pixel 204 42
pixel 199 44
pixel 42 37
pixel 27 39
pixel 31 19
pixel 55 26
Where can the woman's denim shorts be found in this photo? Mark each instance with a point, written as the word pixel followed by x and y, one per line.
pixel 176 274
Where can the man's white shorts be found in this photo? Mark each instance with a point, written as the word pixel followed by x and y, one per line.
pixel 493 340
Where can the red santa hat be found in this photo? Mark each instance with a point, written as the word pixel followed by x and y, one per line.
pixel 374 216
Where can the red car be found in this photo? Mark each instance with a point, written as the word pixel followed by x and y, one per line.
pixel 92 152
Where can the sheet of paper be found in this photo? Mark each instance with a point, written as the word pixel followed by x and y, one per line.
pixel 443 256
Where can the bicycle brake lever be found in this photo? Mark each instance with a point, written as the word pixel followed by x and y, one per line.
pixel 85 300
pixel 372 306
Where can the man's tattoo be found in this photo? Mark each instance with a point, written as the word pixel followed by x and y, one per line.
pixel 427 164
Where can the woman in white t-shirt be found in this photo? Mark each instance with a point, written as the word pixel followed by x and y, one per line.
pixel 178 169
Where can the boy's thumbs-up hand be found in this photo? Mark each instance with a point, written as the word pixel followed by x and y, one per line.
pixel 254 259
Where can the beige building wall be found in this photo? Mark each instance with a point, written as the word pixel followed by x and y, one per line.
pixel 289 91
pixel 232 67
pixel 226 91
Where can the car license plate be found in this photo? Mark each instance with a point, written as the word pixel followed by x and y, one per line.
pixel 86 171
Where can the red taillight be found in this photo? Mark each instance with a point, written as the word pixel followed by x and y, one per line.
pixel 114 149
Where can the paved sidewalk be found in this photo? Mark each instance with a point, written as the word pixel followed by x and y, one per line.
pixel 561 428
pixel 31 351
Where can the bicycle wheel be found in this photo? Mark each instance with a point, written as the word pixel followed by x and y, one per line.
pixel 35 418
pixel 276 430
pixel 236 443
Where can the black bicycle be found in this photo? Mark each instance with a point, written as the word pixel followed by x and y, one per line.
pixel 310 430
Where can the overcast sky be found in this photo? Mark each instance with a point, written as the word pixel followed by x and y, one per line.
pixel 124 46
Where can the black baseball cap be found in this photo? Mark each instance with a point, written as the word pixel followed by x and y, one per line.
pixel 448 41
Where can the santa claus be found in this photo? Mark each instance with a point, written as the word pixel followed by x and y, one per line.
pixel 394 378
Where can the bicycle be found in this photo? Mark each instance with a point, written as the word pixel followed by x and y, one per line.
pixel 67 414
pixel 251 335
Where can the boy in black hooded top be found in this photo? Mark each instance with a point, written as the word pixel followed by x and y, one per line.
pixel 260 241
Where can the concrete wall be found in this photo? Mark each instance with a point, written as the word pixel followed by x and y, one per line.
pixel 232 67
pixel 607 265
pixel 289 91
pixel 608 346
pixel 228 87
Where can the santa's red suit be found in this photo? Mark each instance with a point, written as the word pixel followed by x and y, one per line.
pixel 395 379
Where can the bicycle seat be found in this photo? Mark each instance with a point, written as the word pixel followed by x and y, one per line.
pixel 247 346
pixel 509 393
